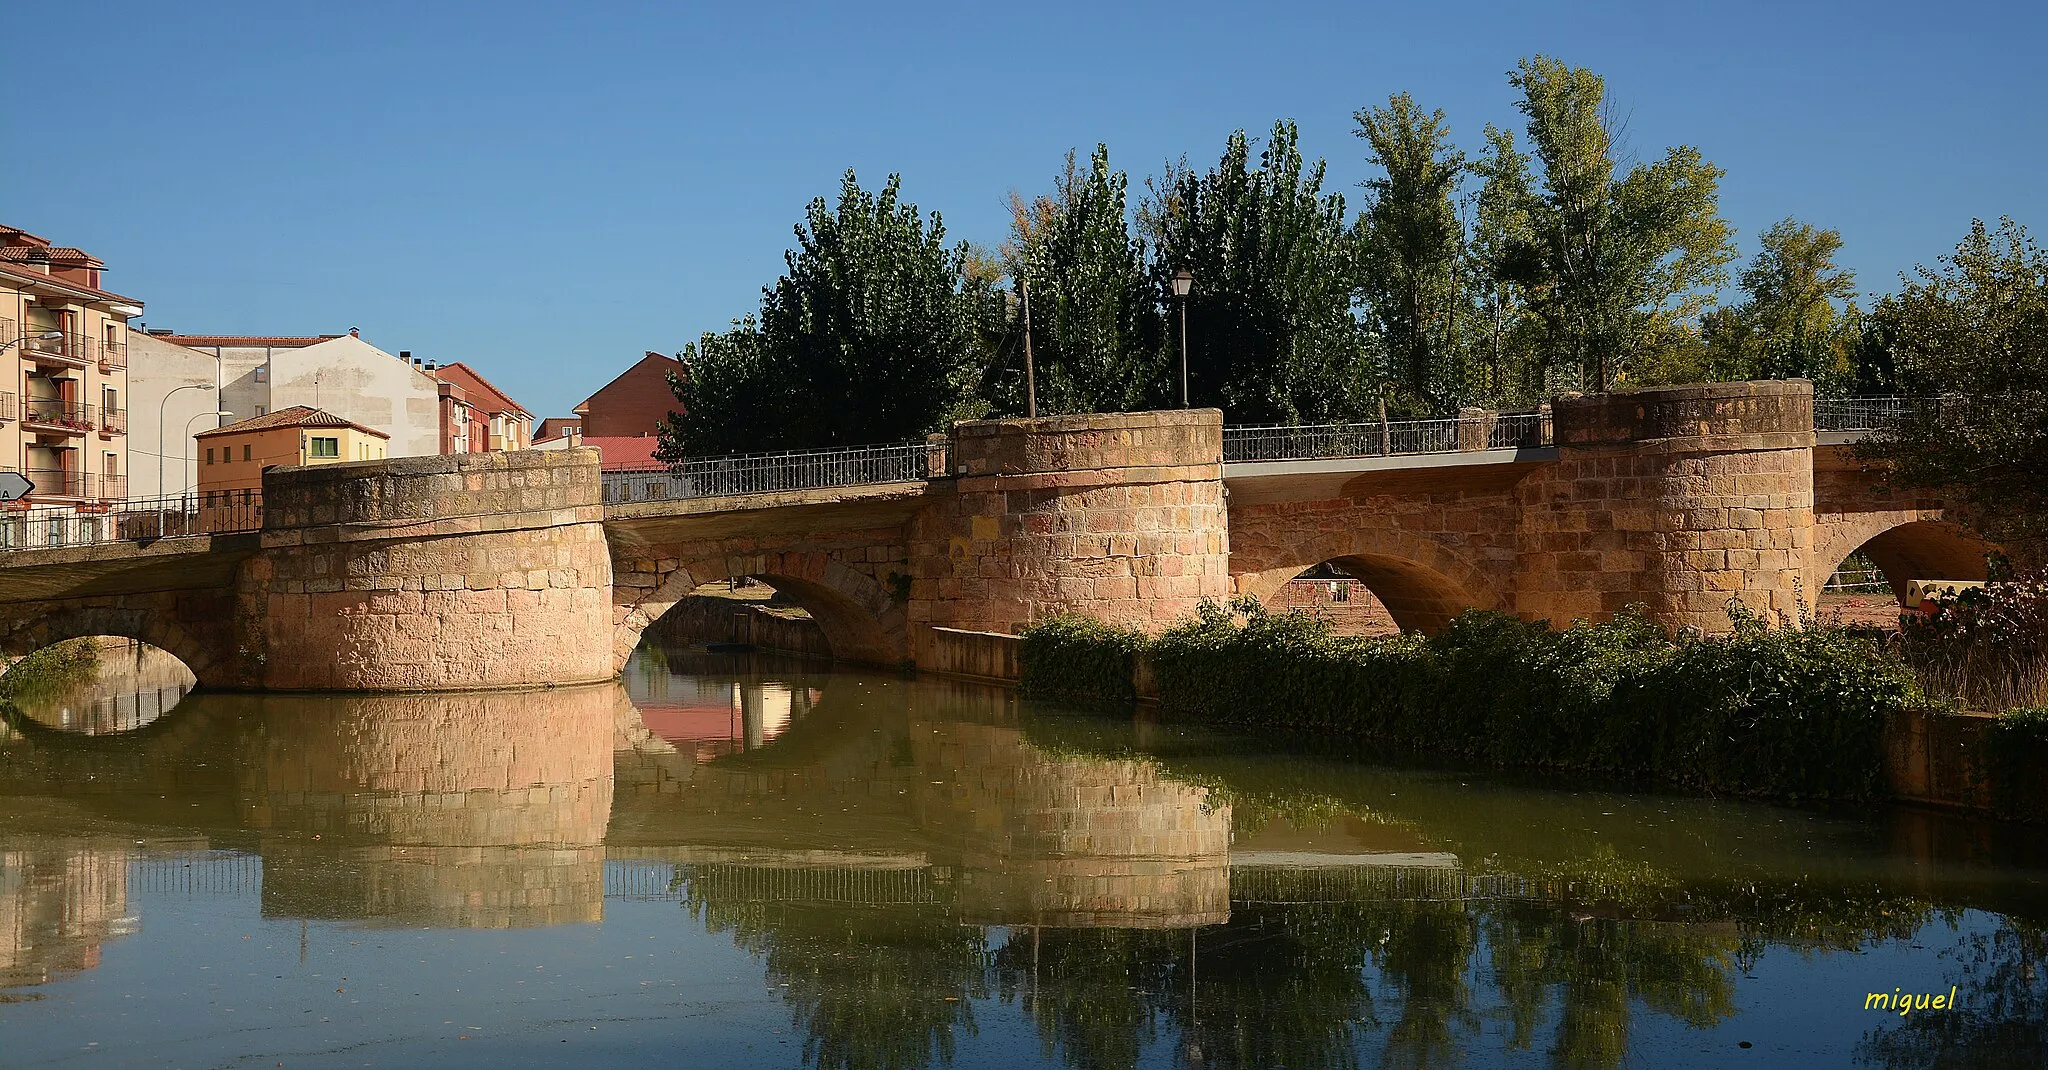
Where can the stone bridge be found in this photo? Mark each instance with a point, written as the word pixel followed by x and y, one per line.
pixel 493 570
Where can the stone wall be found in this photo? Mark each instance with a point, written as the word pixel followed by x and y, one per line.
pixel 1120 516
pixel 1679 499
pixel 433 573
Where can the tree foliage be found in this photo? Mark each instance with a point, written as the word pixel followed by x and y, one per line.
pixel 1270 331
pixel 1975 330
pixel 1617 265
pixel 871 335
pixel 1411 249
pixel 1096 327
pixel 1797 319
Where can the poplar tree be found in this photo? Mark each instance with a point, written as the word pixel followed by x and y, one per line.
pixel 1411 250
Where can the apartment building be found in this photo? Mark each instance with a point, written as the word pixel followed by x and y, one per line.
pixel 233 458
pixel 477 417
pixel 64 394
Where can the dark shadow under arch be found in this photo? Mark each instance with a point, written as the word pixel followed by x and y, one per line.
pixel 1922 550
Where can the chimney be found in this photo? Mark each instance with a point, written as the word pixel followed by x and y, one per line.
pixel 406 354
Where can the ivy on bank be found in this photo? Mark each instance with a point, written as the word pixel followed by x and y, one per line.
pixel 1785 712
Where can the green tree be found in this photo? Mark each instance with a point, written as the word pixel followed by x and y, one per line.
pixel 1271 335
pixel 1096 329
pixel 1411 246
pixel 872 334
pixel 1975 330
pixel 1506 367
pixel 1798 318
pixel 1618 267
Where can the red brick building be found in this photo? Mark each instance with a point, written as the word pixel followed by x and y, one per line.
pixel 477 417
pixel 634 404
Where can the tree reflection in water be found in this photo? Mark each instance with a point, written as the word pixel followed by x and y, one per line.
pixel 2002 979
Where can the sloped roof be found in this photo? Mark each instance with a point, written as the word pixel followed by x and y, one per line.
pixel 473 381
pixel 250 340
pixel 295 416
pixel 617 453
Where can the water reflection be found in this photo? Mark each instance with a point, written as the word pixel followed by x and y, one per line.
pixel 106 686
pixel 919 866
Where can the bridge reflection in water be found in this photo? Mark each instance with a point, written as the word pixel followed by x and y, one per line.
pixel 899 852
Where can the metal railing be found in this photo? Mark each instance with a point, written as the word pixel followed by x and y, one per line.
pixel 68 345
pixel 67 482
pixel 1858 414
pixel 1489 431
pixel 41 527
pixel 113 355
pixel 58 412
pixel 7 406
pixel 113 421
pixel 760 473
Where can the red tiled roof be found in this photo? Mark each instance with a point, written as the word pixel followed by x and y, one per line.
pixel 635 452
pixel 24 275
pixel 295 416
pixel 250 340
pixel 56 254
pixel 476 381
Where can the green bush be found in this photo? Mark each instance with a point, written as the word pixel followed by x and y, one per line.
pixel 1761 711
pixel 1077 659
pixel 2014 750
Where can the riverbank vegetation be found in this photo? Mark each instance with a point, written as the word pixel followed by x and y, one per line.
pixel 50 671
pixel 1765 711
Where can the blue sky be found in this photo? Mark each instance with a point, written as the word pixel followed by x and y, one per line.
pixel 547 190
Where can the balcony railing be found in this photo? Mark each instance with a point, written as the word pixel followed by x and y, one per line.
pixel 68 347
pixel 213 513
pixel 57 482
pixel 113 421
pixel 113 488
pixel 8 409
pixel 1484 431
pixel 58 412
pixel 761 473
pixel 113 355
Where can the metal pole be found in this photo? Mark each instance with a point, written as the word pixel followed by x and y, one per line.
pixel 160 417
pixel 1183 352
pixel 1030 371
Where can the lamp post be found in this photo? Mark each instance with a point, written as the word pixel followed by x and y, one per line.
pixel 1183 281
pixel 188 439
pixel 160 406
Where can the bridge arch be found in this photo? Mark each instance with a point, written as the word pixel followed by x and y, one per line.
pixel 862 621
pixel 1905 545
pixel 154 625
pixel 1422 582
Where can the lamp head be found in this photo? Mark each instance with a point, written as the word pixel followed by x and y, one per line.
pixel 1183 281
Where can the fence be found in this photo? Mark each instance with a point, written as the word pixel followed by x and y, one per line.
pixel 760 473
pixel 1484 431
pixel 1858 414
pixel 218 512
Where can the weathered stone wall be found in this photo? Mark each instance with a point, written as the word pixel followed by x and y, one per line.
pixel 1679 499
pixel 1120 516
pixel 433 573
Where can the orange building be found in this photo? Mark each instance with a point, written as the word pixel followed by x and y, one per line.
pixel 477 417
pixel 233 458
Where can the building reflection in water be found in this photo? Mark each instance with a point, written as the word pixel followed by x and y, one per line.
pixel 897 853
pixel 123 686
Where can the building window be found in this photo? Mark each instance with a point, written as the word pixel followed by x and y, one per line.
pixel 245 451
pixel 325 447
pixel 262 373
pixel 209 455
pixel 262 410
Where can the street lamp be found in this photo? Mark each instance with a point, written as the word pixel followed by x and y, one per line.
pixel 1183 281
pixel 188 440
pixel 46 336
pixel 160 430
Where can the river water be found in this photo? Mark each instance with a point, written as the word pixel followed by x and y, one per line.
pixel 731 860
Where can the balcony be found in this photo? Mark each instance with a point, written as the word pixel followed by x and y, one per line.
pixel 66 350
pixel 113 488
pixel 113 356
pixel 57 416
pixel 113 421
pixel 56 482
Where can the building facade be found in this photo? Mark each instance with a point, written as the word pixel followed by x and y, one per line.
pixel 477 417
pixel 635 404
pixel 64 403
pixel 258 375
pixel 233 458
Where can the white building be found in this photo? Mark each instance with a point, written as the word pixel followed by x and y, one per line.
pixel 252 376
